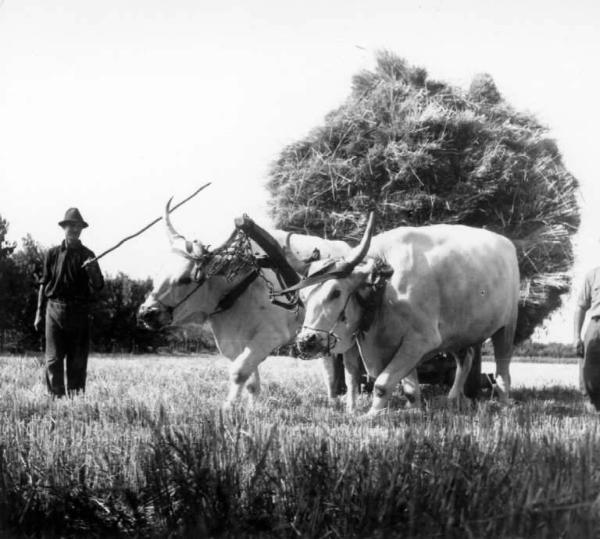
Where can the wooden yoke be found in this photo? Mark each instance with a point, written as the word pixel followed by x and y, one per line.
pixel 270 246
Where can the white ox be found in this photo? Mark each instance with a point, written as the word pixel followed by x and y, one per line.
pixel 447 287
pixel 249 329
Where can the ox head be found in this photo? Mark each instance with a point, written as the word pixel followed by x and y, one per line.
pixel 334 296
pixel 178 296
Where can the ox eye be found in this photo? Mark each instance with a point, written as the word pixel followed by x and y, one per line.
pixel 336 293
pixel 184 279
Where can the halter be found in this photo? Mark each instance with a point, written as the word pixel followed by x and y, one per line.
pixel 232 258
pixel 171 308
pixel 368 307
pixel 331 336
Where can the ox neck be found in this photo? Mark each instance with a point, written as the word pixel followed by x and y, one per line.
pixel 229 297
pixel 369 305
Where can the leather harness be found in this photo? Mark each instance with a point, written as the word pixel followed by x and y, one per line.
pixel 229 299
pixel 369 305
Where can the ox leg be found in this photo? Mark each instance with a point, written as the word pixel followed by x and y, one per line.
pixel 412 389
pixel 242 367
pixel 403 362
pixel 473 383
pixel 333 375
pixel 352 374
pixel 464 360
pixel 503 347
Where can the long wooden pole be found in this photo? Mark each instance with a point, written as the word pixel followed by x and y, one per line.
pixel 146 227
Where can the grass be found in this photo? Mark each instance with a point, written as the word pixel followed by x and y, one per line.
pixel 146 453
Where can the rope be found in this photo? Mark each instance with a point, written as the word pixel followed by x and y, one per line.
pixel 234 256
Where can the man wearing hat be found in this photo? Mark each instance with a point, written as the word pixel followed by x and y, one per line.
pixel 70 280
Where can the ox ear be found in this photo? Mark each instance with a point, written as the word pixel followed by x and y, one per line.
pixel 314 257
pixel 184 279
pixel 381 272
pixel 198 274
pixel 373 272
pixel 197 249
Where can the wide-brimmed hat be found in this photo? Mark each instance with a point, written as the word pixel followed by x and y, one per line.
pixel 72 215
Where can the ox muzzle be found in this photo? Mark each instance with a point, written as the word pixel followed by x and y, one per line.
pixel 311 341
pixel 154 316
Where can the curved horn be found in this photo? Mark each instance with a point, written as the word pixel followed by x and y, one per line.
pixel 171 232
pixel 310 281
pixel 360 251
pixel 178 242
pixel 340 269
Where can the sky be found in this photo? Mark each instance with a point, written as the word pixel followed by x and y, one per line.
pixel 114 106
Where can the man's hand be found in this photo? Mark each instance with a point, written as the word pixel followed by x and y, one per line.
pixel 89 264
pixel 38 321
pixel 579 348
pixel 93 272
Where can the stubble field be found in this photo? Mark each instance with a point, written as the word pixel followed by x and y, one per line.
pixel 146 452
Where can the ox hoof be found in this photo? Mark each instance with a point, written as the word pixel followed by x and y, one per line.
pixel 413 405
pixel 350 406
pixel 252 403
pixel 227 407
pixel 458 402
pixel 437 403
pixel 590 408
pixel 373 414
pixel 413 410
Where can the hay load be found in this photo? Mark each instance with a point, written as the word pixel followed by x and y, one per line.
pixel 418 152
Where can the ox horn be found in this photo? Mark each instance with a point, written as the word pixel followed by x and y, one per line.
pixel 360 251
pixel 178 242
pixel 342 269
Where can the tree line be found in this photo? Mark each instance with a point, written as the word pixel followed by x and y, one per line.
pixel 114 327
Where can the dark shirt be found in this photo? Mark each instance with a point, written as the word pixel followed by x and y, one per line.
pixel 64 278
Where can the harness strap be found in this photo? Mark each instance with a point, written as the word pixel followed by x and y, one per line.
pixel 369 306
pixel 287 306
pixel 231 297
pixel 171 308
pixel 309 281
pixel 270 246
pixel 293 300
pixel 275 260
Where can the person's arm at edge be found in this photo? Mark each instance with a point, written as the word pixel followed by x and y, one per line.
pixel 95 277
pixel 41 304
pixel 583 304
pixel 577 325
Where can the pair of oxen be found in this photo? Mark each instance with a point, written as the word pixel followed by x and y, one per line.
pixel 392 301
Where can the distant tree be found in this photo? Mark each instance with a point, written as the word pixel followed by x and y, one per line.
pixel 419 151
pixel 11 288
pixel 6 248
pixel 29 260
pixel 115 325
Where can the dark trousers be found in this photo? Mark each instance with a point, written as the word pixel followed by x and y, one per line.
pixel 589 365
pixel 67 336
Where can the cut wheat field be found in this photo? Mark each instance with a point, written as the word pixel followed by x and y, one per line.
pixel 147 453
